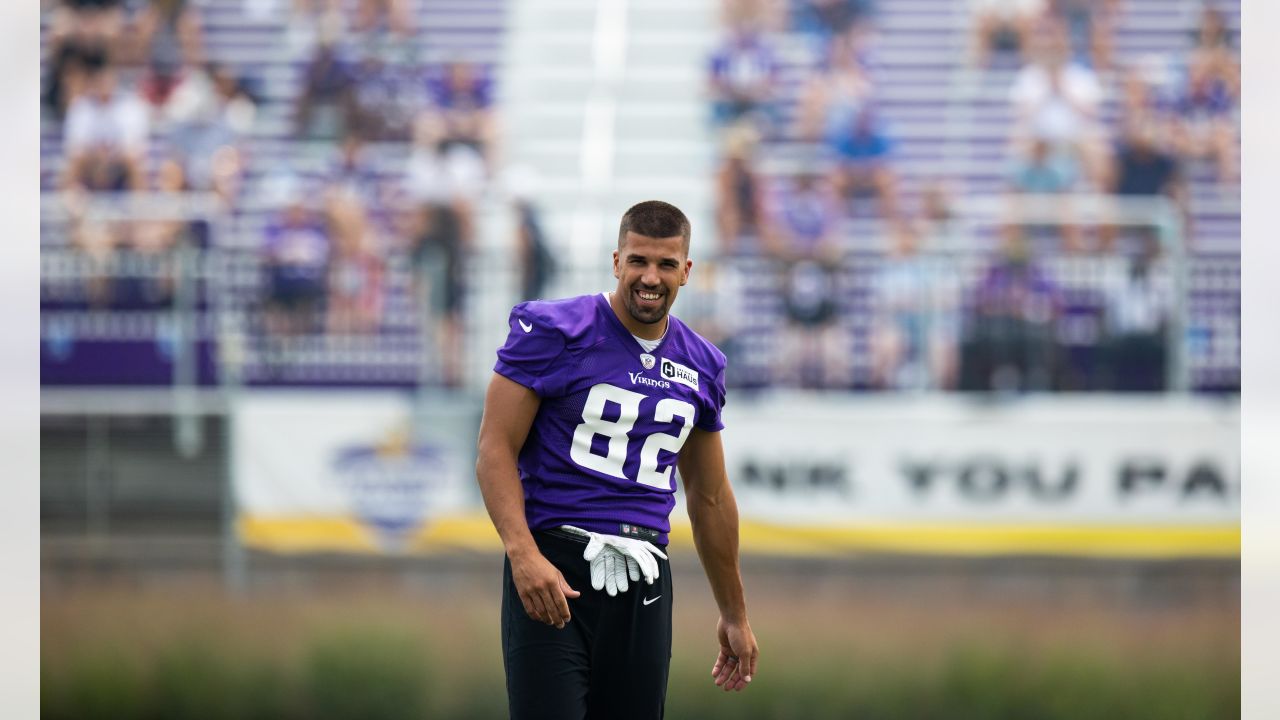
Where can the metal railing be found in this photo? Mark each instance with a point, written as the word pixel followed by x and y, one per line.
pixel 211 318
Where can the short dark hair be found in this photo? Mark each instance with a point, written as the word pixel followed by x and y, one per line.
pixel 655 219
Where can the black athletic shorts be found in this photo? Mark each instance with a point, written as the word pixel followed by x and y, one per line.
pixel 610 661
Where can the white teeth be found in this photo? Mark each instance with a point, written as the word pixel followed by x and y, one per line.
pixel 649 296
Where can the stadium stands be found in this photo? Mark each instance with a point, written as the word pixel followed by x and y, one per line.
pixel 948 126
pixel 265 46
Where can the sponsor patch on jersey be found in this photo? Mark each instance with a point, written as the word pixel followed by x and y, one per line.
pixel 676 372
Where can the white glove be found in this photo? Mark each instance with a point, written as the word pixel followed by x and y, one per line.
pixel 614 559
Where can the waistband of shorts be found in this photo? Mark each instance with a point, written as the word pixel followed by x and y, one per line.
pixel 562 534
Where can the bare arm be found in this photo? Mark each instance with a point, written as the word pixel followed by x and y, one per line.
pixel 509 409
pixel 713 512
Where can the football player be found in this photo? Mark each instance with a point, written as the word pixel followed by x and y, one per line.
pixel 595 402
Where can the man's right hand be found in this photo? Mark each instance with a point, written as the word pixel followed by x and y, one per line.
pixel 542 588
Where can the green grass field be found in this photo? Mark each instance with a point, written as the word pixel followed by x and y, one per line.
pixel 831 648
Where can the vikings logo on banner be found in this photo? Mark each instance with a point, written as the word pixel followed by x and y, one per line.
pixel 391 485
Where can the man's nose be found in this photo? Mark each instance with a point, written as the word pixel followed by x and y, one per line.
pixel 650 276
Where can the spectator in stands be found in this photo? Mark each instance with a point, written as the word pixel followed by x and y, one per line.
pixel 1207 124
pixel 210 115
pixel 131 264
pixel 839 91
pixel 767 16
pixel 537 264
pixel 1143 168
pixel 461 108
pixel 739 191
pixel 443 186
pixel 105 137
pixel 385 95
pixel 384 16
pixel 297 252
pixel 1045 170
pixel 96 242
pixel 1008 343
pixel 838 109
pixel 1090 26
pixel 1002 25
pixel 100 19
pixel 1215 46
pixel 321 108
pixel 936 225
pixel 160 79
pixel 1138 312
pixel 804 215
pixel 862 150
pixel 83 36
pixel 70 65
pixel 156 236
pixel 356 269
pixel 1143 99
pixel 1056 100
pixel 743 78
pixel 168 34
pixel 311 22
pixel 825 19
pixel 355 208
pixel 452 173
pixel 913 336
pixel 150 245
pixel 1049 171
pixel 352 174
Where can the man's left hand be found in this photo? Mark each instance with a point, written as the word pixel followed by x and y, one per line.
pixel 736 663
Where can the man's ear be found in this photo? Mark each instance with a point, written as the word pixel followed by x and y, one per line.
pixel 688 268
pixel 615 265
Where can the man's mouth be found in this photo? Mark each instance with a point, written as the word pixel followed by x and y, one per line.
pixel 648 298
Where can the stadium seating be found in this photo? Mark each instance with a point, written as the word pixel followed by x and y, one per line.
pixel 951 123
pixel 257 47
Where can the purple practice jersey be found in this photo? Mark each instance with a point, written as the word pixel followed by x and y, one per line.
pixel 602 449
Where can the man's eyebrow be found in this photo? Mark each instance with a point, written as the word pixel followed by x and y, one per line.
pixel 666 258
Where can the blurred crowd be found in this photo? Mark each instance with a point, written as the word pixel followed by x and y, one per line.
pixel 354 160
pixel 383 158
pixel 934 308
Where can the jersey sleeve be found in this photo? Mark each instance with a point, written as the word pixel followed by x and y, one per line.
pixel 709 419
pixel 531 352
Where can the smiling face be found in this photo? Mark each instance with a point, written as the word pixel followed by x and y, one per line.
pixel 650 272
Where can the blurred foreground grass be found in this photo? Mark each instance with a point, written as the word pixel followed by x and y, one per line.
pixel 188 651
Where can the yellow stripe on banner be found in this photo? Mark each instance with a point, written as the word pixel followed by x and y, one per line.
pixel 474 532
pixel 305 534
pixel 458 532
pixel 346 534
pixel 1104 541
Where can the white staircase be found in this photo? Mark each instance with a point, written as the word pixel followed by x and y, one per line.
pixel 603 100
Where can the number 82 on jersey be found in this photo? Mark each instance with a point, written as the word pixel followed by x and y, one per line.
pixel 619 434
